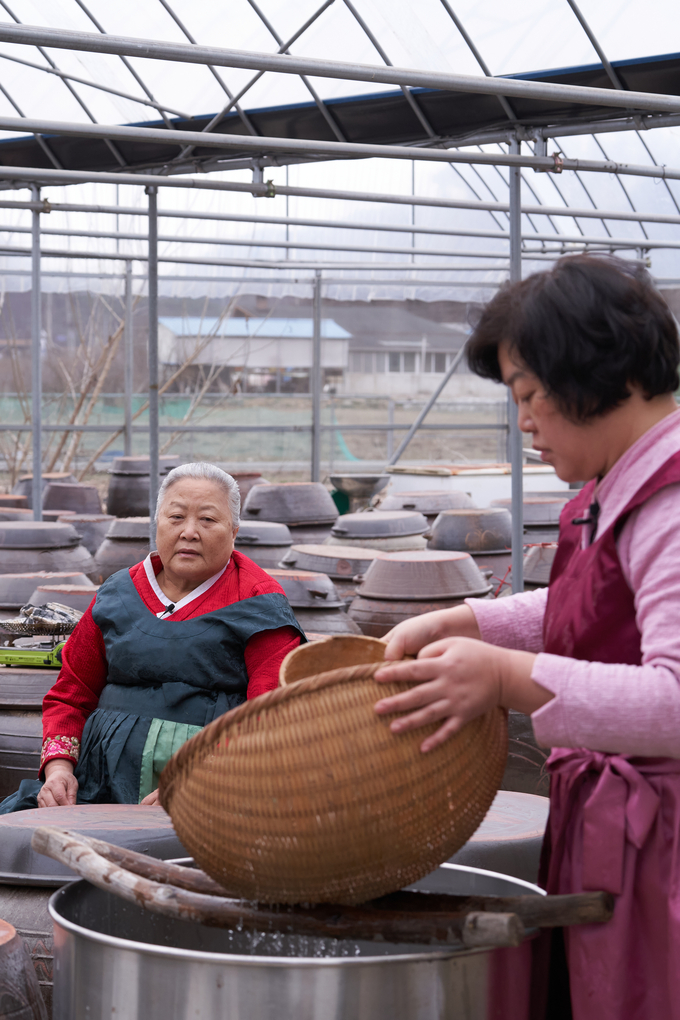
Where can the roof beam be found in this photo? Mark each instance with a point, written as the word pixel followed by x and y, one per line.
pixel 331 150
pixel 287 64
pixel 18 177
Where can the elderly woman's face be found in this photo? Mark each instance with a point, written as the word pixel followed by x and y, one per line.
pixel 195 534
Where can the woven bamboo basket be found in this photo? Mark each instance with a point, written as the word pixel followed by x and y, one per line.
pixel 305 795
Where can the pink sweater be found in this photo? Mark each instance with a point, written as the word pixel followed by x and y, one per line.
pixel 632 710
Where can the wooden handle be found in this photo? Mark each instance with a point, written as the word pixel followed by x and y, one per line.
pixel 402 917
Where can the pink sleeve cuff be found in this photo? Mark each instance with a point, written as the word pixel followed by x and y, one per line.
pixel 515 621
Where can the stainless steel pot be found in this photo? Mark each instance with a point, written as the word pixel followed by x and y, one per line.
pixel 113 959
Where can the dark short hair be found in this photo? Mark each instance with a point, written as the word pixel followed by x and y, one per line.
pixel 588 329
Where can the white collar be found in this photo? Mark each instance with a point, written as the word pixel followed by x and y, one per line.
pixel 162 597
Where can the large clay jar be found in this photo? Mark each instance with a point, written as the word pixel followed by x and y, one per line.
pixel 27 546
pixel 264 542
pixel 24 485
pixel 129 485
pixel 92 528
pixel 315 602
pixel 77 596
pixel 126 543
pixel 246 480
pixel 82 499
pixel 16 589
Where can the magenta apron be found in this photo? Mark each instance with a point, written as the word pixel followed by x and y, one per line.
pixel 614 820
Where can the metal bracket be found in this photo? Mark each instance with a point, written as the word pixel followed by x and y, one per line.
pixel 559 163
pixel 46 207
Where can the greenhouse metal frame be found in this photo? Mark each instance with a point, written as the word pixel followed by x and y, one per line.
pixel 639 111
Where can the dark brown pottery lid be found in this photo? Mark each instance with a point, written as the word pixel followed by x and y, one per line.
pixel 37 535
pixel 125 528
pixel 423 575
pixel 259 533
pixel 340 563
pixel 306 589
pixel 427 501
pixel 290 503
pixel 379 524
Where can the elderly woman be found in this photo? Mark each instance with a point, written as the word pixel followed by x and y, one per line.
pixel 164 648
pixel 590 354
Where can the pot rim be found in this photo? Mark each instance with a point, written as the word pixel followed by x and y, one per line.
pixel 223 959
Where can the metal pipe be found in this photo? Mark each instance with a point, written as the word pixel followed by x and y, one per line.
pixel 239 280
pixel 514 434
pixel 16 176
pixel 555 239
pixel 611 73
pixel 36 362
pixel 288 64
pixel 333 150
pixel 298 264
pixel 153 363
pixel 426 410
pixel 129 356
pixel 372 427
pixel 316 381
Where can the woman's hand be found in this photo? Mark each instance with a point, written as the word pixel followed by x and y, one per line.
pixel 61 786
pixel 409 637
pixel 152 799
pixel 459 678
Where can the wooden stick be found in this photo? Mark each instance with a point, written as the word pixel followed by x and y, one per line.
pixel 402 917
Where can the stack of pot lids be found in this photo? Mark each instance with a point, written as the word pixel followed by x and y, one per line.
pixel 538 564
pixel 538 511
pixel 16 589
pixel 472 530
pixel 290 503
pixel 77 596
pixel 376 524
pixel 129 528
pixel 140 465
pixel 342 564
pixel 37 535
pixel 305 589
pixel 258 533
pixel 426 575
pixel 429 502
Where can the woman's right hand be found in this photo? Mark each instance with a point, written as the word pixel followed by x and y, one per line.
pixel 409 637
pixel 60 787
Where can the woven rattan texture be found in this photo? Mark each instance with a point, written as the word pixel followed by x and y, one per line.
pixel 304 794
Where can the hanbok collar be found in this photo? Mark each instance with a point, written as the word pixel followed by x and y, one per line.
pixel 172 607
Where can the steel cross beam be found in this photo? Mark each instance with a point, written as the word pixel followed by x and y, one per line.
pixel 332 150
pixel 21 176
pixel 350 71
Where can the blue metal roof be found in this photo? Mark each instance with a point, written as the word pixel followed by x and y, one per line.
pixel 298 329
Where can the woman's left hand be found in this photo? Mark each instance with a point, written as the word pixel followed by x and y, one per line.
pixel 151 800
pixel 459 679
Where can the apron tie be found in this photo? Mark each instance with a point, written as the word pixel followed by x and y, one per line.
pixel 622 807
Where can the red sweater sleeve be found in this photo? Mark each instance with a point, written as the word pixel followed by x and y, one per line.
pixel 76 693
pixel 264 654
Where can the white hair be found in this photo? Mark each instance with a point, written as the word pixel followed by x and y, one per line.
pixel 211 473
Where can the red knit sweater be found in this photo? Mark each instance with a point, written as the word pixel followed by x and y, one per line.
pixel 84 669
